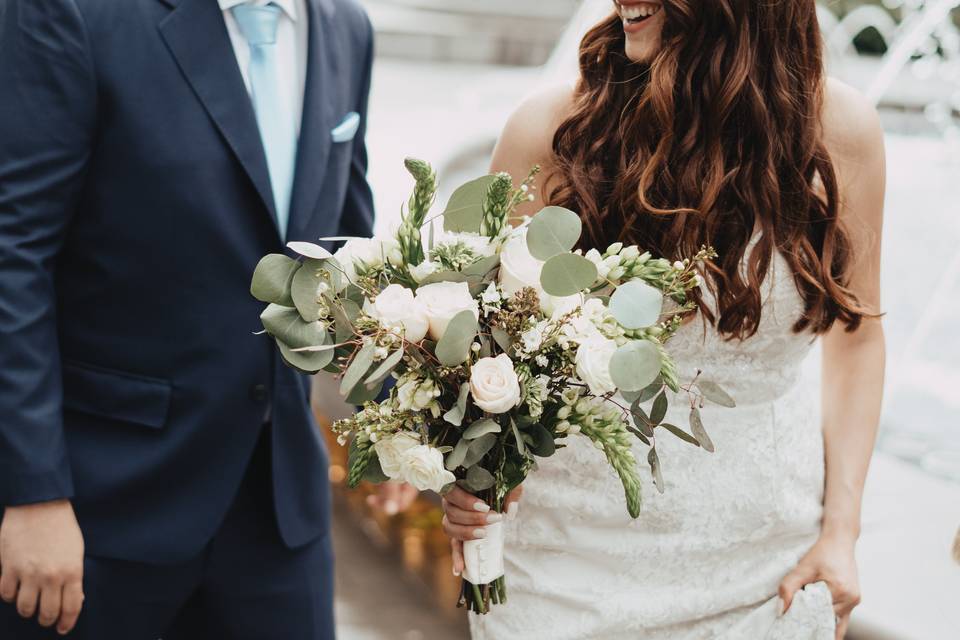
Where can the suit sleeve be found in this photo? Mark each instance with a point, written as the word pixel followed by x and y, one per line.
pixel 47 116
pixel 357 216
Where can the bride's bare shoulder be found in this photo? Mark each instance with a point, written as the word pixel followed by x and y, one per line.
pixel 851 126
pixel 527 137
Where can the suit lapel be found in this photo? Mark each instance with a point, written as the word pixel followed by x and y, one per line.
pixel 197 37
pixel 319 113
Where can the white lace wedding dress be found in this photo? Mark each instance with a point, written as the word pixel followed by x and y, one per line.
pixel 704 559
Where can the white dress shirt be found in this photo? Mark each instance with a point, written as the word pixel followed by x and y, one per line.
pixel 292 42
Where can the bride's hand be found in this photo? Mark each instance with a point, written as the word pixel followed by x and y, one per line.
pixel 465 517
pixel 830 560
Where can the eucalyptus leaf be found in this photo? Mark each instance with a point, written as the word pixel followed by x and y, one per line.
pixel 363 393
pixel 305 362
pixel 649 391
pixel 340 238
pixel 482 267
pixel 464 210
pixel 654 461
pixel 481 428
pixel 502 338
pixel 521 446
pixel 309 250
pixel 456 413
pixel 381 372
pixel 680 433
pixel 453 348
pixel 641 419
pixel 636 305
pixel 479 448
pixel 304 289
pixel 696 426
pixel 286 325
pixel 553 231
pixel 341 318
pixel 631 396
pixel 358 368
pixel 457 456
pixel 544 445
pixel 635 365
pixel 566 274
pixel 272 279
pixel 715 393
pixel 479 478
pixel 639 435
pixel 659 410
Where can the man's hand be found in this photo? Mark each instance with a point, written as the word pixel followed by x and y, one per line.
pixel 41 560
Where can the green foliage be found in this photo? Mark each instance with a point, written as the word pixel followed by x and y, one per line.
pixel 358 457
pixel 496 205
pixel 553 231
pixel 453 348
pixel 464 211
pixel 636 305
pixel 635 365
pixel 613 439
pixel 566 274
pixel 273 278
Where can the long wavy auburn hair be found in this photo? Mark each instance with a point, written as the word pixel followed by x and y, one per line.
pixel 717 139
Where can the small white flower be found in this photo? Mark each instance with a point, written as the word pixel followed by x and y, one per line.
pixel 491 295
pixel 391 450
pixel 478 244
pixel 697 280
pixel 542 360
pixel 679 266
pixel 442 301
pixel 533 337
pixel 367 253
pixel 494 384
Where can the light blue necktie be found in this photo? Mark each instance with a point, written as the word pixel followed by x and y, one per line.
pixel 258 24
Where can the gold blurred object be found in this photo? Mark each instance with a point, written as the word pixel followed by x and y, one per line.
pixel 956 548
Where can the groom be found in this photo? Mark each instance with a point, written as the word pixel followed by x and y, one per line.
pixel 160 471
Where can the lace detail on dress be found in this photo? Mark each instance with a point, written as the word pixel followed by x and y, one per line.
pixel 705 558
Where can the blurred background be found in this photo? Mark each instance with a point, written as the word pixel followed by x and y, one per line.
pixel 447 75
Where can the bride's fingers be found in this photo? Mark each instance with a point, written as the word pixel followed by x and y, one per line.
pixel 456 551
pixel 842 623
pixel 466 501
pixel 461 532
pixel 794 581
pixel 461 517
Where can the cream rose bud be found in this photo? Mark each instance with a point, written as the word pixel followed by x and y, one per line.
pixel 391 451
pixel 368 252
pixel 494 384
pixel 442 301
pixel 518 268
pixel 593 363
pixel 423 468
pixel 396 306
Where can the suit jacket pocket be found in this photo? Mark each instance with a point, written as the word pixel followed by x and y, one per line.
pixel 116 395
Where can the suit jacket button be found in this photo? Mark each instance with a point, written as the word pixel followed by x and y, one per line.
pixel 259 393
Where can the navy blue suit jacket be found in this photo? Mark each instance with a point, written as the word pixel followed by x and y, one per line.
pixel 134 205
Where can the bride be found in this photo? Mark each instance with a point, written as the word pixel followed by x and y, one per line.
pixel 711 122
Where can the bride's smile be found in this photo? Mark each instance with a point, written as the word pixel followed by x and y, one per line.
pixel 642 24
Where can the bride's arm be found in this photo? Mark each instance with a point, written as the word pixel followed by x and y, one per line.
pixel 853 362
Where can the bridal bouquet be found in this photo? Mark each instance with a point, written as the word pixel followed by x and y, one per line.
pixel 504 343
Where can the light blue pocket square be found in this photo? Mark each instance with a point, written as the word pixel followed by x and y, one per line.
pixel 345 131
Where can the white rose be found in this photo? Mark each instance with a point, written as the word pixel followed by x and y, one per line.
pixel 593 364
pixel 556 307
pixel 423 468
pixel 391 450
pixel 396 306
pixel 518 268
pixel 442 301
pixel 494 384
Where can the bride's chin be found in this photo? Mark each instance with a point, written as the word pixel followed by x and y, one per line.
pixel 641 50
